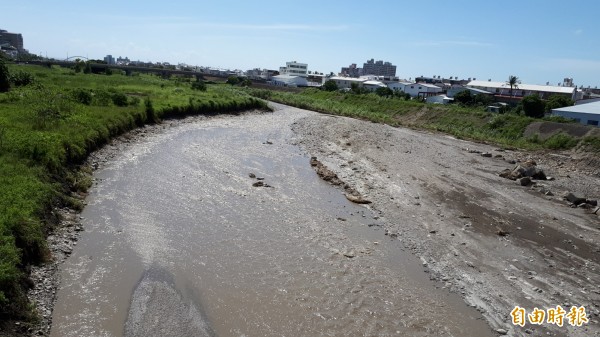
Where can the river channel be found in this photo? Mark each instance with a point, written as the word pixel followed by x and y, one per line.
pixel 178 242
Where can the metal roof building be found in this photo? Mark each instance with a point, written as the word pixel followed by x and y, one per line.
pixel 520 90
pixel 588 114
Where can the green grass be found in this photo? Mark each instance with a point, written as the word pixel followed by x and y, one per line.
pixel 49 127
pixel 463 122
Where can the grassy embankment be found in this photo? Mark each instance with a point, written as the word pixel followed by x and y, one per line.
pixel 463 122
pixel 50 126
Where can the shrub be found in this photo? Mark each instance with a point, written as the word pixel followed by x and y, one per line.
pixel 49 106
pixel 233 80
pixel 533 106
pixel 119 99
pixel 150 113
pixel 22 78
pixel 134 101
pixel 199 85
pixel 384 92
pixel 82 96
pixel 4 77
pixel 330 85
pixel 101 98
pixel 560 141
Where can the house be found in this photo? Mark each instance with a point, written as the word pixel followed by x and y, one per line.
pixel 474 91
pixel 439 99
pixel 286 80
pixel 502 89
pixel 588 114
pixel 373 85
pixel 422 90
pixel 345 82
pixel 398 86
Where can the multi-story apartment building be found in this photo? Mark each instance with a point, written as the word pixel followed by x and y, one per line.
pixel 351 71
pixel 379 68
pixel 14 39
pixel 109 59
pixel 294 68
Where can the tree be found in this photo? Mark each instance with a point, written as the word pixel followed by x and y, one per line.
pixel 199 85
pixel 533 106
pixel 88 68
pixel 464 97
pixel 558 101
pixel 330 85
pixel 233 80
pixel 384 92
pixel 514 82
pixel 79 65
pixel 4 77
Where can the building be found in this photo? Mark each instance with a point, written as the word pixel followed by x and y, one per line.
pixel 345 82
pixel 422 90
pixel 474 91
pixel 587 114
pixel 502 89
pixel 123 61
pixel 439 99
pixel 398 86
pixel 286 80
pixel 351 71
pixel 379 68
pixel 373 85
pixel 294 69
pixel 109 59
pixel 13 39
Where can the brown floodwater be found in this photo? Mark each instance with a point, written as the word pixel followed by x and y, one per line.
pixel 178 242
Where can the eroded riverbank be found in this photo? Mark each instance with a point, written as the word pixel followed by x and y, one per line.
pixel 177 216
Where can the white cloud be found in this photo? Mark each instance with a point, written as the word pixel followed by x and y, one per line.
pixel 578 32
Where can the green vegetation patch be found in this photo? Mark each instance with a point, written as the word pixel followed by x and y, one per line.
pixel 468 121
pixel 50 120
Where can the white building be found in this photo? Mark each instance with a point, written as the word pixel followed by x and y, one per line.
pixel 373 85
pixel 345 82
pixel 289 81
pixel 521 90
pixel 398 86
pixel 422 89
pixel 588 114
pixel 439 99
pixel 474 91
pixel 294 68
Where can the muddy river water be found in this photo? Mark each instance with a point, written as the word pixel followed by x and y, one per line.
pixel 178 242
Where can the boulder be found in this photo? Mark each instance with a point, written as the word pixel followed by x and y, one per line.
pixel 526 169
pixel 357 199
pixel 575 200
pixel 525 181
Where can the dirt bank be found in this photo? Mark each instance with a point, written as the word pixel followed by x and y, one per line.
pixel 497 243
pixel 45 278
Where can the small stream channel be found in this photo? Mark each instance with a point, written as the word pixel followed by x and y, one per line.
pixel 178 242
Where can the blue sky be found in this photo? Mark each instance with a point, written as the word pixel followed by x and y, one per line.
pixel 538 40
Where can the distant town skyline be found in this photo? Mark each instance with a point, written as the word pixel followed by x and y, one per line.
pixel 538 41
